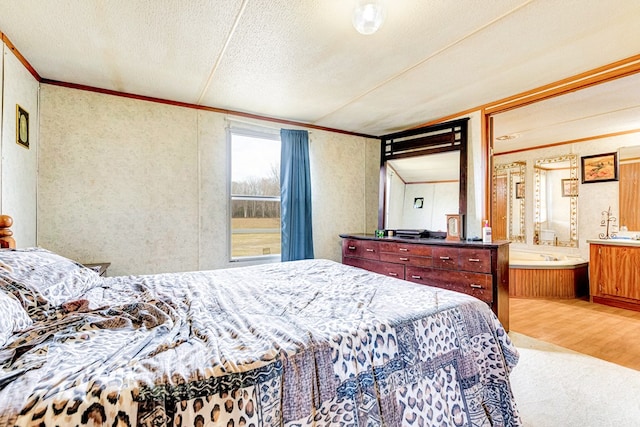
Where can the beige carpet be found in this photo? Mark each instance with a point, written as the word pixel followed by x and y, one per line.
pixel 557 387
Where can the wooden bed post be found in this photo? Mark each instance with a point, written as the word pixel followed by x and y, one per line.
pixel 6 239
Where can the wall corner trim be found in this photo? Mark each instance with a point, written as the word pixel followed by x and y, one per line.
pixel 21 58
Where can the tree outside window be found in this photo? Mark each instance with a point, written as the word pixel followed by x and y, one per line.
pixel 255 196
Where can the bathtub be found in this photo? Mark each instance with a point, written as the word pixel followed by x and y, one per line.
pixel 547 275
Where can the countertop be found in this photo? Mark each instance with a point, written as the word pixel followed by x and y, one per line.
pixel 615 242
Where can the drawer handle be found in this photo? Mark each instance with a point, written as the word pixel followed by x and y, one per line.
pixel 403 249
pixel 413 276
pixel 404 259
pixel 351 248
pixel 393 274
pixel 474 286
pixel 444 258
pixel 474 260
pixel 369 250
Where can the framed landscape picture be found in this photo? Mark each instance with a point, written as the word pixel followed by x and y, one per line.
pixel 600 168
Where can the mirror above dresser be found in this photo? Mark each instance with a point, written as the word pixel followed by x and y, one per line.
pixel 423 177
pixel 421 191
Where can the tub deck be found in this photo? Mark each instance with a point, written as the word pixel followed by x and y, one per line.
pixel 531 276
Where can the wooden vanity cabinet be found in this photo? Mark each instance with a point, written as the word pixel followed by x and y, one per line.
pixel 614 271
pixel 477 269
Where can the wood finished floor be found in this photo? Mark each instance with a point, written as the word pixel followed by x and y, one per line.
pixel 608 333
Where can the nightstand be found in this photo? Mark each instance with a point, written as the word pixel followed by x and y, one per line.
pixel 99 267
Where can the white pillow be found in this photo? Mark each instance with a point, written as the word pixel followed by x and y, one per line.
pixel 13 318
pixel 56 278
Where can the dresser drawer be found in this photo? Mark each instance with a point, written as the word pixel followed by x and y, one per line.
pixel 445 258
pixel 406 249
pixel 406 259
pixel 475 260
pixel 475 284
pixel 386 268
pixel 360 248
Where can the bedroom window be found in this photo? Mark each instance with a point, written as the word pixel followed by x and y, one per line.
pixel 255 195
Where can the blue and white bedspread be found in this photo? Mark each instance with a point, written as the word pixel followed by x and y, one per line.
pixel 305 343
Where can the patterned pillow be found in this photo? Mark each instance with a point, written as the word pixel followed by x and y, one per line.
pixel 53 277
pixel 13 318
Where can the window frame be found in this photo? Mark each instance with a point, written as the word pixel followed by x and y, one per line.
pixel 253 131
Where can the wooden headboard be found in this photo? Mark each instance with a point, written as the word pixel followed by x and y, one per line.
pixel 6 239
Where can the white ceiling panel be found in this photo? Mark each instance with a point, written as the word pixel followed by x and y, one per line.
pixel 309 51
pixel 489 65
pixel 157 48
pixel 303 61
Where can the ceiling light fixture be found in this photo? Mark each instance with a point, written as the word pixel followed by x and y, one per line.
pixel 368 16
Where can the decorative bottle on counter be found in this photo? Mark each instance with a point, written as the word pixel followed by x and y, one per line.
pixel 486 232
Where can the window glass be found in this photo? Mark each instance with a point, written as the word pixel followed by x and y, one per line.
pixel 255 195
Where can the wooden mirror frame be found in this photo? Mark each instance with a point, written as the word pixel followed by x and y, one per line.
pixel 439 138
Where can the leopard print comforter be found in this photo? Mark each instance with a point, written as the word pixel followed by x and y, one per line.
pixel 305 343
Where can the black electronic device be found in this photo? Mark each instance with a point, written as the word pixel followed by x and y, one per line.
pixel 412 234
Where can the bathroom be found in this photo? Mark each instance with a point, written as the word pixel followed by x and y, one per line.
pixel 544 200
pixel 571 220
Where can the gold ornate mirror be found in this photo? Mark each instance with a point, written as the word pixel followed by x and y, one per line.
pixel 556 201
pixel 508 211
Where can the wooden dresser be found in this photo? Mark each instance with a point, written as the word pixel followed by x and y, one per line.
pixel 614 271
pixel 474 268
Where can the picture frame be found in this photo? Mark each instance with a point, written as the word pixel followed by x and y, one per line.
pixel 569 187
pixel 418 202
pixel 22 126
pixel 519 190
pixel 599 168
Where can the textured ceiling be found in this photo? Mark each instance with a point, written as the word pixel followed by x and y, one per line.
pixel 303 61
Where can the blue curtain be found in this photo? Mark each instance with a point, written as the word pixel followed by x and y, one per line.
pixel 295 195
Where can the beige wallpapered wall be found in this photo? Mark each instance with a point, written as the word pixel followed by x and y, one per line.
pixel 19 164
pixel 143 185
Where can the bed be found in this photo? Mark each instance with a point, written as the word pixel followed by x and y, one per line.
pixel 303 343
